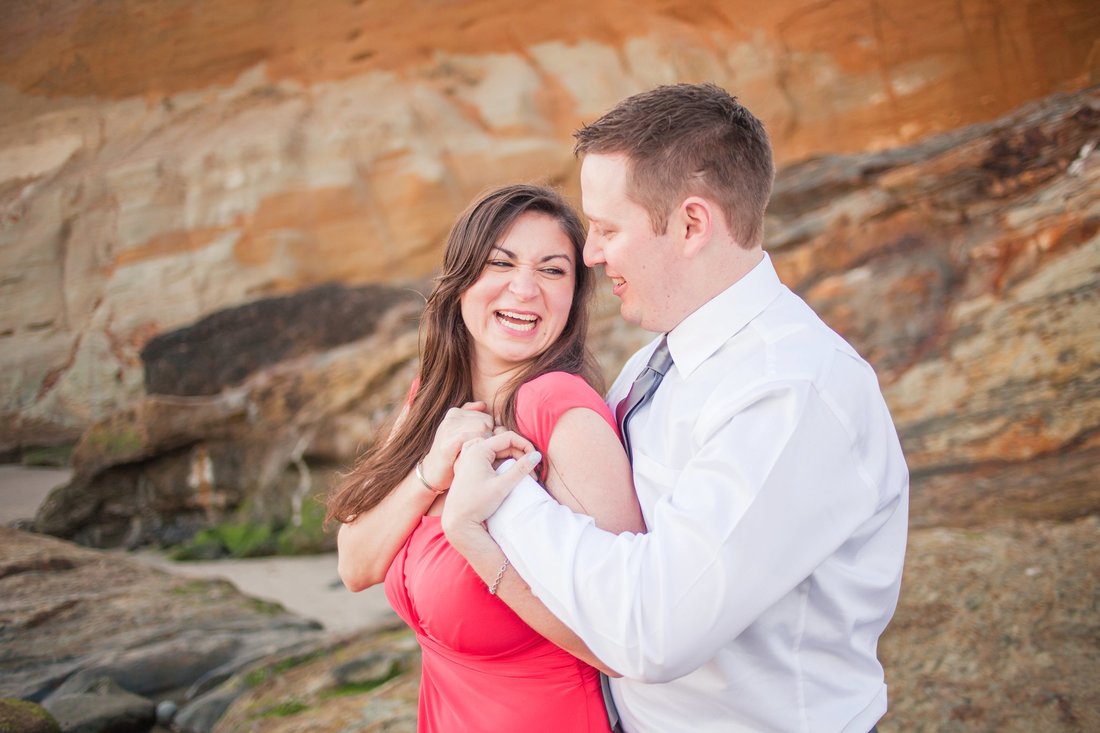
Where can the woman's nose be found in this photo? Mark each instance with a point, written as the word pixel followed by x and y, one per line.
pixel 523 283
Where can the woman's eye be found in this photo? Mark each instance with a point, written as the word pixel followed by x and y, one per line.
pixel 499 263
pixel 553 271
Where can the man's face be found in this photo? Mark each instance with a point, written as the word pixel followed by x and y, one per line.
pixel 643 266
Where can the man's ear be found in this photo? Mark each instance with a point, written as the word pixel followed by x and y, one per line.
pixel 696 224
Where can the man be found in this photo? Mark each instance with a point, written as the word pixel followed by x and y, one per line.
pixel 767 466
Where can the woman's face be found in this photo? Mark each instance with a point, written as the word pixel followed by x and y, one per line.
pixel 520 303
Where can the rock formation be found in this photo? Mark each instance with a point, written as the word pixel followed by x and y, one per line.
pixel 219 155
pixel 995 631
pixel 965 267
pixel 245 398
pixel 211 234
pixel 100 637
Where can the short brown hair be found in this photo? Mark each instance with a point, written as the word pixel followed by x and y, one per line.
pixel 689 139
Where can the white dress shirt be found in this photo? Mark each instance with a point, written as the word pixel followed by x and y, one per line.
pixel 776 497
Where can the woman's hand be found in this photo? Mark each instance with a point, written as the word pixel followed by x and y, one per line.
pixel 477 490
pixel 459 425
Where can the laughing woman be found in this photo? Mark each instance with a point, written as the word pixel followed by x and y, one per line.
pixel 504 344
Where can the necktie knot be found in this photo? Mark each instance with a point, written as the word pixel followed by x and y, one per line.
pixel 643 388
pixel 661 359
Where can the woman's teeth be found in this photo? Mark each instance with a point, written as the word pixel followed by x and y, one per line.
pixel 517 321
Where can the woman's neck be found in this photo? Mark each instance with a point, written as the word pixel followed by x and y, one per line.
pixel 489 387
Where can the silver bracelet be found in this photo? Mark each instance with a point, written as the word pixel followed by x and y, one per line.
pixel 496 580
pixel 429 487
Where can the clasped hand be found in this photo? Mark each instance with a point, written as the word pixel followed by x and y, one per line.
pixel 477 489
pixel 459 425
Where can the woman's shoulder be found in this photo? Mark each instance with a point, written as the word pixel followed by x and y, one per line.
pixel 556 384
pixel 548 396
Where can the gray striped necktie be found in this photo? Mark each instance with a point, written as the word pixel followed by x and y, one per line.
pixel 645 384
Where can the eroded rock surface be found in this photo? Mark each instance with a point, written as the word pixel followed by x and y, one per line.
pixel 966 268
pixel 156 472
pixel 226 153
pixel 73 618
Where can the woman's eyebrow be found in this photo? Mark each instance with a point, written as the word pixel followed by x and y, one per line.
pixel 544 259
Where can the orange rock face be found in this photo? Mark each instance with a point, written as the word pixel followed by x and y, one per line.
pixel 847 76
pixel 160 161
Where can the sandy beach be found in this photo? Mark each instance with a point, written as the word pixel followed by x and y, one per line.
pixel 307 586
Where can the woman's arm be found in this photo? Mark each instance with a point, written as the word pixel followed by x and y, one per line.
pixel 367 544
pixel 589 473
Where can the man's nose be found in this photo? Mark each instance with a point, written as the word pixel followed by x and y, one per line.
pixel 593 253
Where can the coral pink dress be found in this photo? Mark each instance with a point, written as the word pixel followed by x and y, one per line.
pixel 484 669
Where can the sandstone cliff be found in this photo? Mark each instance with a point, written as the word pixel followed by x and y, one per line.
pixel 966 267
pixel 182 184
pixel 161 162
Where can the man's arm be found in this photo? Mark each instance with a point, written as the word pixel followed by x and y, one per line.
pixel 588 472
pixel 766 498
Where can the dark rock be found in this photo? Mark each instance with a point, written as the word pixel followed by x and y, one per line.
pixel 202 714
pixel 996 630
pixel 24 716
pixel 371 669
pixel 159 667
pixel 259 652
pixel 101 706
pixel 226 347
pixel 364 682
pixel 87 615
pixel 167 466
pixel 166 711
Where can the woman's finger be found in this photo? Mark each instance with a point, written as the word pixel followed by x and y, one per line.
pixel 507 441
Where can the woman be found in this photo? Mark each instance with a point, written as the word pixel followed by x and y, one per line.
pixel 504 334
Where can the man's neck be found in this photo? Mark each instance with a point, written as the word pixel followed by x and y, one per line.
pixel 713 278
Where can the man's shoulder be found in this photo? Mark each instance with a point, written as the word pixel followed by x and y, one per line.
pixel 799 339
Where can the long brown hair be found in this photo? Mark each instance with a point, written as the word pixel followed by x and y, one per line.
pixel 445 374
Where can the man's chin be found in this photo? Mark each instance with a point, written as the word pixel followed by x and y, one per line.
pixel 631 317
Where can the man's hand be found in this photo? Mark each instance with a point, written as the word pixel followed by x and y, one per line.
pixel 477 490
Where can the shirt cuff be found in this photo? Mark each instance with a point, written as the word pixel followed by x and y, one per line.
pixel 527 495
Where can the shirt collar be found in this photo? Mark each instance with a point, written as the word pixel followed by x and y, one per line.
pixel 701 334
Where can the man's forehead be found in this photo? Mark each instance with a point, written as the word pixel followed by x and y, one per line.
pixel 602 183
